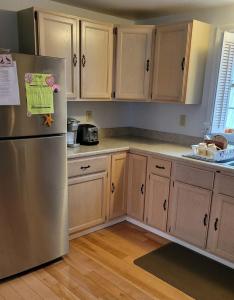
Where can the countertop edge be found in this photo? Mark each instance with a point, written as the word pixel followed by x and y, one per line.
pixel 138 150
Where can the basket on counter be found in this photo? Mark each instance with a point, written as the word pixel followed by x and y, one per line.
pixel 213 156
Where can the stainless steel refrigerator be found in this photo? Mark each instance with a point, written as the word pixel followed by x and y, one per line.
pixel 33 184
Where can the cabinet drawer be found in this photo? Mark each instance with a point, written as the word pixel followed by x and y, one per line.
pixel 160 167
pixel 224 184
pixel 78 167
pixel 194 176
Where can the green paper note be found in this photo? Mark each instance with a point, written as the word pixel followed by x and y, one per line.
pixel 39 93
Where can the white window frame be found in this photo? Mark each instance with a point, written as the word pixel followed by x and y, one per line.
pixel 212 74
pixel 224 84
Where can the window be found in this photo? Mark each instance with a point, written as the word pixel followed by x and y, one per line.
pixel 224 103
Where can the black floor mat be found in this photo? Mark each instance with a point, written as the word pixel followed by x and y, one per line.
pixel 194 274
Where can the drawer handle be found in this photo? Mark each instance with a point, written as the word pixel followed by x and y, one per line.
pixel 165 205
pixel 216 224
pixel 112 188
pixel 160 167
pixel 205 219
pixel 85 167
pixel 142 189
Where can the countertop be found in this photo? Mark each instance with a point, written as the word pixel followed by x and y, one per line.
pixel 142 145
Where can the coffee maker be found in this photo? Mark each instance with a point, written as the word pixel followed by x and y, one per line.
pixel 72 127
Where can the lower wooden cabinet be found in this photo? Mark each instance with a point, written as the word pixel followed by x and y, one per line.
pixel 189 213
pixel 99 191
pixel 157 202
pixel 87 201
pixel 137 165
pixel 118 185
pixel 221 229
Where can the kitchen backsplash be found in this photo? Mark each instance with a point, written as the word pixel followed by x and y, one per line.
pixel 180 139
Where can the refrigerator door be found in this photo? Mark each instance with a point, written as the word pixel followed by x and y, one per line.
pixel 33 203
pixel 14 121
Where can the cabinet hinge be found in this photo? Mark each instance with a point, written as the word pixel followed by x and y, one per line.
pixel 113 94
pixel 115 30
pixel 173 183
pixel 35 15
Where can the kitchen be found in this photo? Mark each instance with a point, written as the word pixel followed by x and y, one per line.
pixel 134 191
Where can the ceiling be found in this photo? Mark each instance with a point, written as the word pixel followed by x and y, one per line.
pixel 134 9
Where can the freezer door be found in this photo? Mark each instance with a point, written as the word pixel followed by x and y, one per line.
pixel 33 203
pixel 14 121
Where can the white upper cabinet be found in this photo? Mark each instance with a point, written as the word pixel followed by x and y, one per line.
pixel 171 47
pixel 179 62
pixel 168 66
pixel 134 62
pixel 58 37
pixel 96 60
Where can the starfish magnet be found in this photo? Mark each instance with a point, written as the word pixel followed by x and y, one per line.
pixel 48 120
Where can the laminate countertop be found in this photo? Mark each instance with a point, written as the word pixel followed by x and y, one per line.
pixel 143 146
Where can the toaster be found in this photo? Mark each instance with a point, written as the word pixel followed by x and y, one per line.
pixel 87 134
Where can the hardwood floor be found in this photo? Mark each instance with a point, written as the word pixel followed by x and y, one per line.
pixel 99 266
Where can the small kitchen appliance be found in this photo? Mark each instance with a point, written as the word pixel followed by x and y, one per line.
pixel 87 134
pixel 72 126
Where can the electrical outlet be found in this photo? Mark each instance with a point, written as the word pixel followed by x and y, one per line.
pixel 183 120
pixel 89 116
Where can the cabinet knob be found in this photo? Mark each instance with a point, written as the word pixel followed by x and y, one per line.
pixel 205 219
pixel 216 224
pixel 142 189
pixel 83 60
pixel 165 205
pixel 147 65
pixel 112 188
pixel 183 64
pixel 74 60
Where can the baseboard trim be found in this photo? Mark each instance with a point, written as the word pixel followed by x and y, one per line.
pixel 96 228
pixel 182 243
pixel 155 231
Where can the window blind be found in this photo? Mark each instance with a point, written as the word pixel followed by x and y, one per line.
pixel 224 83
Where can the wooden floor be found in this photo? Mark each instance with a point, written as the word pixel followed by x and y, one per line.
pixel 99 266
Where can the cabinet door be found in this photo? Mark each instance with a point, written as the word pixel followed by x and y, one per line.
pixel 189 213
pixel 171 58
pixel 58 38
pixel 133 62
pixel 118 185
pixel 96 60
pixel 87 201
pixel 157 202
pixel 136 186
pixel 221 229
